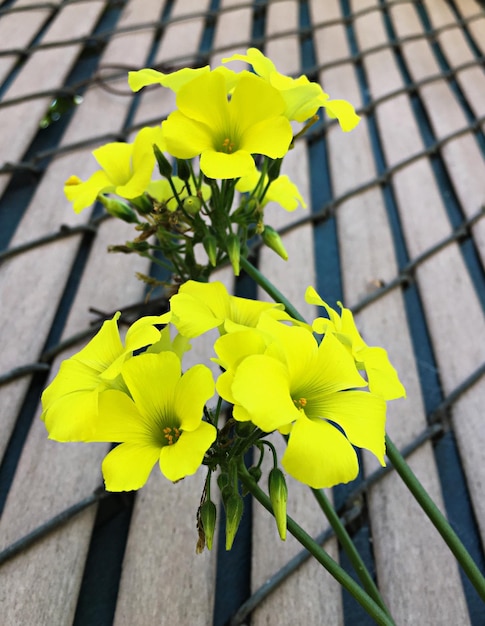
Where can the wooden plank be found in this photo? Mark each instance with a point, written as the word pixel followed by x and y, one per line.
pixel 469 8
pixel 18 29
pixel 469 353
pixel 44 271
pixel 310 591
pixel 400 531
pixel 160 553
pixel 50 476
pixel 75 20
pixel 462 156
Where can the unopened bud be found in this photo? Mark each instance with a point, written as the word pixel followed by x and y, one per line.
pixel 192 204
pixel 210 246
pixel 119 209
pixel 233 246
pixel 208 514
pixel 234 509
pixel 163 164
pixel 278 493
pixel 183 171
pixel 273 241
pixel 274 169
pixel 138 246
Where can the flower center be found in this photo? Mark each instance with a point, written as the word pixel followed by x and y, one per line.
pixel 171 434
pixel 300 403
pixel 227 146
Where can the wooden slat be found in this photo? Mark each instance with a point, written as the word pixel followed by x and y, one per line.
pixel 469 8
pixel 424 220
pixel 45 271
pixel 50 476
pixel 170 582
pixel 74 20
pixel 462 156
pixel 18 29
pixel 310 591
pixel 466 167
pixel 362 222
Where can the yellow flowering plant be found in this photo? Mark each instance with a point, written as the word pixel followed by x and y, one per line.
pixel 316 383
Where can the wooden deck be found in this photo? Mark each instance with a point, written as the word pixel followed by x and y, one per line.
pixel 394 228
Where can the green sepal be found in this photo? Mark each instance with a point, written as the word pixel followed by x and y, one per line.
pixel 234 507
pixel 208 515
pixel 118 209
pixel 163 163
pixel 278 493
pixel 273 241
pixel 233 247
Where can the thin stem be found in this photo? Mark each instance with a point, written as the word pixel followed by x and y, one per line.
pixel 437 518
pixel 429 507
pixel 350 549
pixel 367 603
pixel 270 289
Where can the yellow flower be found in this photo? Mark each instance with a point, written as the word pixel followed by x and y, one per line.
pixel 281 190
pixel 225 133
pixel 302 97
pixel 161 420
pixel 199 307
pixel 383 378
pixel 308 391
pixel 70 402
pixel 126 169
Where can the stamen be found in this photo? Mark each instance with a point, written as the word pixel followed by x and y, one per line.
pixel 227 145
pixel 172 435
pixel 300 403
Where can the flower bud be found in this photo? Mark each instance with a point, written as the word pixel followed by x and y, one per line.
pixel 163 164
pixel 210 246
pixel 208 514
pixel 192 204
pixel 278 493
pixel 138 246
pixel 273 241
pixel 233 246
pixel 183 171
pixel 234 509
pixel 119 209
pixel 274 169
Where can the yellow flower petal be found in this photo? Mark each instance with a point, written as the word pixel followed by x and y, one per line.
pixel 220 165
pixel 174 80
pixel 319 455
pixel 193 390
pixel 261 386
pixel 185 457
pixel 128 466
pixel 361 415
pixel 344 112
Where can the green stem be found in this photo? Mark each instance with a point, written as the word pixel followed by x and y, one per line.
pixel 429 507
pixel 367 603
pixel 350 549
pixel 437 518
pixel 270 289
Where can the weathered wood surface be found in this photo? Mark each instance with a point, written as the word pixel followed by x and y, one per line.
pixel 162 581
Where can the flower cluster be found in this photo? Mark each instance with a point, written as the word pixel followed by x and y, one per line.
pixel 274 372
pixel 231 127
pixel 319 385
